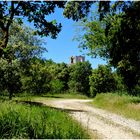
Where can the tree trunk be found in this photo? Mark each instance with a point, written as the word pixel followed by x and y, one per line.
pixel 5 29
pixel 10 95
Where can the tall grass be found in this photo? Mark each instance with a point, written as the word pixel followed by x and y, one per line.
pixel 124 105
pixel 37 122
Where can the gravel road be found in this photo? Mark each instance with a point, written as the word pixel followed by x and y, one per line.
pixel 107 125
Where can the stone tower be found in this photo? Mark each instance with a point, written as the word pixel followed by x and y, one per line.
pixel 75 59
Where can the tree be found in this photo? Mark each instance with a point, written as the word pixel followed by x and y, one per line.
pixel 77 9
pixel 10 76
pixel 56 86
pixel 125 42
pixel 102 80
pixel 79 77
pixel 59 72
pixel 19 37
pixel 63 75
pixel 93 39
pixel 17 58
pixel 37 81
pixel 35 12
pixel 116 38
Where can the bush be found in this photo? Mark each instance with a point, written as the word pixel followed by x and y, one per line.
pixel 120 86
pixel 79 77
pixel 57 86
pixel 10 76
pixel 37 81
pixel 136 90
pixel 102 80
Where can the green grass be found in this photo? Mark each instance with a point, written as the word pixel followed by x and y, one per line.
pixel 124 105
pixel 37 122
pixel 50 96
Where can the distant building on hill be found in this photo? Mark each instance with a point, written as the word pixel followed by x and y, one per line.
pixel 75 59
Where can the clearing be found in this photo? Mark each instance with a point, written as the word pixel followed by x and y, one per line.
pixel 103 123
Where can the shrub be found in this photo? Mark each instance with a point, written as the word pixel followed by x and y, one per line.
pixel 120 86
pixel 57 86
pixel 37 80
pixel 79 77
pixel 9 76
pixel 102 80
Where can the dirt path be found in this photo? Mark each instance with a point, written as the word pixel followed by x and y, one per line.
pixel 107 125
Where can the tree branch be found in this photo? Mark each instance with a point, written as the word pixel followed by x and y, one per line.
pixel 12 12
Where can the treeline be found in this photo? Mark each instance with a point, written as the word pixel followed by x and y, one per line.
pixel 23 70
pixel 45 76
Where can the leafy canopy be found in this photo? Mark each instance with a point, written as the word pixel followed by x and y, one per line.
pixel 116 38
pixel 34 12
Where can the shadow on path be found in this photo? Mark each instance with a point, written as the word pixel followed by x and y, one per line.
pixel 51 96
pixel 42 104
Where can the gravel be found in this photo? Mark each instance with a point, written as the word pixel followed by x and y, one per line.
pixel 107 125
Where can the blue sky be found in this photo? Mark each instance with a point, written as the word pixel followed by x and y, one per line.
pixel 62 48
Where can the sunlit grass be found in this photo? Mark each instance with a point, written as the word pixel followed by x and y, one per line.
pixel 49 96
pixel 37 122
pixel 124 105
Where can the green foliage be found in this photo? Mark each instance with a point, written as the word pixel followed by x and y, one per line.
pixel 116 38
pixel 16 62
pixel 102 80
pixel 19 121
pixel 38 78
pixel 79 77
pixel 56 86
pixel 9 76
pixel 136 90
pixel 35 12
pixel 77 9
pixel 60 72
pixel 92 36
pixel 120 86
pixel 45 76
pixel 23 44
pixel 125 42
pixel 121 104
